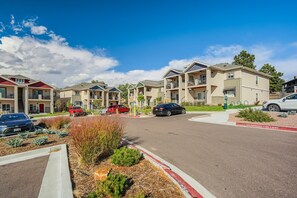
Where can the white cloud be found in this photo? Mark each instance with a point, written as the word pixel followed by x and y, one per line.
pixel 55 62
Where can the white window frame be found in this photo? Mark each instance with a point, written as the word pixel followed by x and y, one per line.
pixel 230 93
pixel 202 95
pixel 19 80
pixel 230 75
pixel 5 109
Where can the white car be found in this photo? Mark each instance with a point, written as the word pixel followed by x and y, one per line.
pixel 284 104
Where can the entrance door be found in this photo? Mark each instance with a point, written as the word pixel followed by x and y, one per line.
pixel 41 108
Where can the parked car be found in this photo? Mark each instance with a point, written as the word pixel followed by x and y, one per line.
pixel 121 109
pixel 76 111
pixel 14 123
pixel 168 109
pixel 284 104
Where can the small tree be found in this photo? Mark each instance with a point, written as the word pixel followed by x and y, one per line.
pixel 245 59
pixel 140 99
pixel 58 104
pixel 124 89
pixel 275 81
pixel 97 103
pixel 68 103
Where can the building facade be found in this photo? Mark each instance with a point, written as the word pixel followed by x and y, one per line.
pixel 91 95
pixel 205 84
pixel 21 94
pixel 152 92
pixel 290 86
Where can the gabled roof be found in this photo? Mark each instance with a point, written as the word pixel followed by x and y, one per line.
pixel 173 72
pixel 228 67
pixel 152 83
pixel 85 86
pixel 8 80
pixel 131 86
pixel 41 83
pixel 195 66
pixel 113 89
pixel 294 80
pixel 97 87
pixel 17 76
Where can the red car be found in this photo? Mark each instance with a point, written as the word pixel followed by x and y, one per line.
pixel 76 111
pixel 120 108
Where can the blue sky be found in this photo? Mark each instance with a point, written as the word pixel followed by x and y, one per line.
pixel 152 36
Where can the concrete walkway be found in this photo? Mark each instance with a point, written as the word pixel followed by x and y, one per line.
pixel 215 117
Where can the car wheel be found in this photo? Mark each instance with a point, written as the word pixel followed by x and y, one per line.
pixel 273 107
pixel 168 113
pixel 183 111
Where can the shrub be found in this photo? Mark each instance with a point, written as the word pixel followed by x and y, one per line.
pixel 24 135
pixel 38 131
pixel 92 195
pixel 15 142
pixel 96 137
pixel 40 141
pixel 126 157
pixel 114 186
pixel 139 195
pixel 291 112
pixel 55 123
pixel 47 131
pixel 254 115
pixel 62 134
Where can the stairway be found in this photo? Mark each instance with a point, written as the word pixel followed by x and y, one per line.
pixel 21 105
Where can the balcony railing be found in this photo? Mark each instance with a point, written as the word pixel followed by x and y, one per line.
pixel 112 98
pixel 39 97
pixel 171 85
pixel 9 96
pixel 96 97
pixel 196 82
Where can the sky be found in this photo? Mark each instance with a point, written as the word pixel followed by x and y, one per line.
pixel 67 42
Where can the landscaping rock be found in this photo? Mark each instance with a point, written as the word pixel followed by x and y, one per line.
pixel 102 173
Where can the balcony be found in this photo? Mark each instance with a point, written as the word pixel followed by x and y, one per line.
pixel 172 85
pixel 39 97
pixel 196 82
pixel 113 98
pixel 96 97
pixel 6 96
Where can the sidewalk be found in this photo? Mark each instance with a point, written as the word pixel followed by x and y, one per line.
pixel 215 117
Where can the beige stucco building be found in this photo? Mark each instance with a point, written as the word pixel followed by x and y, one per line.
pixel 151 91
pixel 209 84
pixel 21 94
pixel 91 95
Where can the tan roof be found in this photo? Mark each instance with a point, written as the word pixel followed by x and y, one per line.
pixel 85 86
pixel 153 83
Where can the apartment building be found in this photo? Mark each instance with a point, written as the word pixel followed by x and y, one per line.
pixel 209 84
pixel 91 95
pixel 290 86
pixel 19 93
pixel 151 91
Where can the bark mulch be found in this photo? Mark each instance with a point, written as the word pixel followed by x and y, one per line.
pixel 145 177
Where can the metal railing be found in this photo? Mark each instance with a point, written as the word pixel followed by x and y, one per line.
pixel 40 97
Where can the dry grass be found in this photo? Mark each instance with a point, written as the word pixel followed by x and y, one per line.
pixel 54 123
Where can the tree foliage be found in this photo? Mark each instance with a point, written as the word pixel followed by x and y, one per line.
pixel 275 81
pixel 246 59
pixel 94 81
pixel 124 89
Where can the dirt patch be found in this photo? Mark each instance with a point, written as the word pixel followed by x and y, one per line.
pixel 290 121
pixel 146 178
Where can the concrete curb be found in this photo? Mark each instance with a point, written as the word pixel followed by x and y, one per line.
pixel 189 186
pixel 263 126
pixel 8 159
pixel 56 181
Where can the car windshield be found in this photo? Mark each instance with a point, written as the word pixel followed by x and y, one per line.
pixel 11 117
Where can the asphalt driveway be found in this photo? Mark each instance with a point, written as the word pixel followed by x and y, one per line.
pixel 228 161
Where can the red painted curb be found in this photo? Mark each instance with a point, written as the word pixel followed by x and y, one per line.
pixel 263 126
pixel 193 193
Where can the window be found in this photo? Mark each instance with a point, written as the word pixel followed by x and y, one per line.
pixel 230 75
pixel 201 95
pixel 3 92
pixel 191 78
pixel 257 97
pixel 257 80
pixel 76 93
pixel 18 80
pixel 5 107
pixel 230 93
pixel 202 79
pixel 292 97
pixel 148 89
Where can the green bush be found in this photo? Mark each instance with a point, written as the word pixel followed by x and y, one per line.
pixel 40 141
pixel 47 131
pixel 254 115
pixel 139 195
pixel 283 115
pixel 96 137
pixel 24 135
pixel 114 186
pixel 291 112
pixel 92 195
pixel 15 142
pixel 126 157
pixel 62 134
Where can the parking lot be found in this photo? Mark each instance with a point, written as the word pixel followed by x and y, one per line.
pixel 228 161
